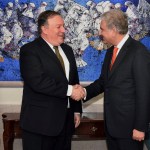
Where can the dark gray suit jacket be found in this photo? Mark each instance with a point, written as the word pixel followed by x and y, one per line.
pixel 126 90
pixel 44 102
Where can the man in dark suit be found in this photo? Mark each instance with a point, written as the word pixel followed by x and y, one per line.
pixel 125 81
pixel 48 114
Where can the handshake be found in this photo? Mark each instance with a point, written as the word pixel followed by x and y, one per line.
pixel 78 92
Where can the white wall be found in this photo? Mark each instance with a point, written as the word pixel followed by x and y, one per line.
pixel 13 96
pixel 10 96
pixel 10 101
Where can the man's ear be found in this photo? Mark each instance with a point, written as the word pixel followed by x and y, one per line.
pixel 44 29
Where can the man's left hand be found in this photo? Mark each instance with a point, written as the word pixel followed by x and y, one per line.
pixel 77 119
pixel 138 135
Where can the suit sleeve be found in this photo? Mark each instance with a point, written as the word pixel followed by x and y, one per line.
pixel 97 87
pixel 77 106
pixel 35 77
pixel 141 72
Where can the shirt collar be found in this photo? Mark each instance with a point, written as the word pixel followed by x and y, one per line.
pixel 51 46
pixel 121 43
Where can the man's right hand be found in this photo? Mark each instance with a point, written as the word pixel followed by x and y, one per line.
pixel 78 92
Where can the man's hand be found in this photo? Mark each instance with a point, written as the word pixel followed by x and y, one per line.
pixel 78 92
pixel 138 135
pixel 77 119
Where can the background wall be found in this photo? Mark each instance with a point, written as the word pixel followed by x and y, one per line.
pixel 10 96
pixel 10 101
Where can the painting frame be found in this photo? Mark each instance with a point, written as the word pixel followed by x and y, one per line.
pixel 11 84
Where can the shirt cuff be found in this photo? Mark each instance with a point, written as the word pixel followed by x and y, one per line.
pixel 69 92
pixel 85 94
pixel 77 113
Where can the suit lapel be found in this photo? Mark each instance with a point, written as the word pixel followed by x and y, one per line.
pixel 107 61
pixel 120 56
pixel 66 51
pixel 46 48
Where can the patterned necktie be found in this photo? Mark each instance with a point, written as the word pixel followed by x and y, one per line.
pixel 59 57
pixel 113 57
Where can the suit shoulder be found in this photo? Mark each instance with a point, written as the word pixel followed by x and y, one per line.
pixel 67 49
pixel 139 50
pixel 66 46
pixel 29 46
pixel 138 44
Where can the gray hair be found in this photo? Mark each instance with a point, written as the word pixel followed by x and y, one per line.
pixel 116 18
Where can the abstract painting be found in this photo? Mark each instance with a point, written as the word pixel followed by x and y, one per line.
pixel 18 26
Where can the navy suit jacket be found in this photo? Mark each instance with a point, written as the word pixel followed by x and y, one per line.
pixel 44 102
pixel 126 89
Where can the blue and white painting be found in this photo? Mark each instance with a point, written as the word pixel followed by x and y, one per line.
pixel 82 17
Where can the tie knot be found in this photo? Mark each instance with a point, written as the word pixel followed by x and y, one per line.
pixel 55 48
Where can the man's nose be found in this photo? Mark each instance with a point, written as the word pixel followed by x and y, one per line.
pixel 63 29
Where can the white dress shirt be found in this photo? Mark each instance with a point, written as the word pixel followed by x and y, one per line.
pixel 67 68
pixel 121 43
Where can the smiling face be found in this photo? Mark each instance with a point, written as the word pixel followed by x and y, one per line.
pixel 53 31
pixel 108 35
